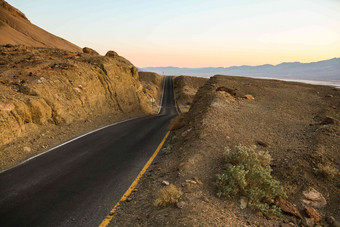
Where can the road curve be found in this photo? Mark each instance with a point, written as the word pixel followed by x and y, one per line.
pixel 77 184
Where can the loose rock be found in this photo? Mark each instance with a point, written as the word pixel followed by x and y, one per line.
pixel 198 181
pixel 180 205
pixel 332 222
pixel 250 97
pixel 312 213
pixel 313 198
pixel 27 149
pixel 287 207
pixel 165 183
pixel 190 182
pixel 308 222
pixel 243 202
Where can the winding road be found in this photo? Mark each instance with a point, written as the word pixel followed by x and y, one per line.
pixel 78 183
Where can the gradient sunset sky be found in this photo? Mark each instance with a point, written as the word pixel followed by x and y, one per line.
pixel 195 33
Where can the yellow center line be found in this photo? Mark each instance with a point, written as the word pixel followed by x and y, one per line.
pixel 173 89
pixel 109 217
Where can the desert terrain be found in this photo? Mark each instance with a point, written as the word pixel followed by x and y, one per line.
pixel 297 124
pixel 241 152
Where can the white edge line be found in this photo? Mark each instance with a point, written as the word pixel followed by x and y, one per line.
pixel 78 137
pixel 161 102
pixel 69 141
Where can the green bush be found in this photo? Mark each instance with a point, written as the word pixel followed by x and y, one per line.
pixel 247 173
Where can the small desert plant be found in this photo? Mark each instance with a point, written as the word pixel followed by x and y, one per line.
pixel 167 149
pixel 326 171
pixel 248 174
pixel 168 195
pixel 174 138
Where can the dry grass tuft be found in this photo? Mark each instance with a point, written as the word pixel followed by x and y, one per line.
pixel 327 171
pixel 168 195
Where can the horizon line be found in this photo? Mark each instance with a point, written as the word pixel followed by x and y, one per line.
pixel 237 65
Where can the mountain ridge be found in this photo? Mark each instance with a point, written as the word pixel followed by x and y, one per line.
pixel 16 29
pixel 322 70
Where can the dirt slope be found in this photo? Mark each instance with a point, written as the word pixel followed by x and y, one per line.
pixel 15 28
pixel 297 123
pixel 44 92
pixel 185 90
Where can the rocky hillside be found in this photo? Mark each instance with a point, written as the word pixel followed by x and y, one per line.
pixel 297 125
pixel 15 28
pixel 152 86
pixel 185 90
pixel 46 88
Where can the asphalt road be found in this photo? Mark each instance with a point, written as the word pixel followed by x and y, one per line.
pixel 78 183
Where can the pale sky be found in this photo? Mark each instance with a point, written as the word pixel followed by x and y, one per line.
pixel 195 33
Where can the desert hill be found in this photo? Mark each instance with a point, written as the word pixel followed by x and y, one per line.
pixel 15 29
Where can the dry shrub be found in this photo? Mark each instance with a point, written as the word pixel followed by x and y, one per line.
pixel 177 122
pixel 247 173
pixel 326 171
pixel 168 195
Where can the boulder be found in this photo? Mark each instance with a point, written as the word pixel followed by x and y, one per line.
pixel 287 207
pixel 313 198
pixel 88 50
pixel 111 54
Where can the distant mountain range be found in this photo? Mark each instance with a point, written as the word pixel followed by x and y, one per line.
pixel 321 70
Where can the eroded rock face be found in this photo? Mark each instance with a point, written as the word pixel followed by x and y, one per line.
pixel 61 87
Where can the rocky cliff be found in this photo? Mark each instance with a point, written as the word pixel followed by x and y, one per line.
pixel 44 87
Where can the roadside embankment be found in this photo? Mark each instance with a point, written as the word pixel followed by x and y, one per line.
pixel 185 90
pixel 295 128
